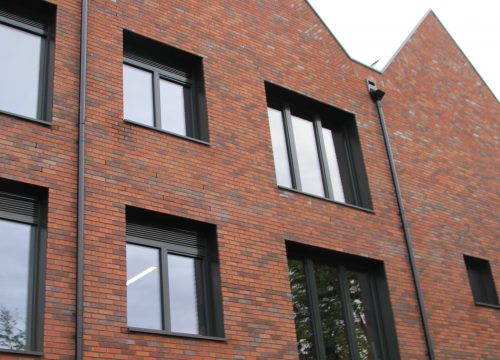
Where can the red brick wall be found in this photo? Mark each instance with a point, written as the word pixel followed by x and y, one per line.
pixel 443 122
pixel 47 156
pixel 230 183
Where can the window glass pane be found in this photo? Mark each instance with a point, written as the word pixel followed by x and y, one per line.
pixel 19 71
pixel 143 287
pixel 138 95
pixel 173 113
pixel 362 308
pixel 307 156
pixel 333 166
pixel 15 284
pixel 303 322
pixel 183 295
pixel 330 309
pixel 280 152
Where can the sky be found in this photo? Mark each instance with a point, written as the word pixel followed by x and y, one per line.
pixel 374 30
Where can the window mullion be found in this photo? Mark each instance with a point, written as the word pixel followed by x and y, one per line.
pixel 165 289
pixel 348 313
pixel 314 306
pixel 156 100
pixel 323 160
pixel 292 149
pixel 203 300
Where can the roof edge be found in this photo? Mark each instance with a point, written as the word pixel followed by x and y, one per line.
pixel 407 39
pixel 415 29
pixel 338 42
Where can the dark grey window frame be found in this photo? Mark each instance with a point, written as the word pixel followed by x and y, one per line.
pixel 28 205
pixel 346 142
pixel 177 66
pixel 37 18
pixel 208 289
pixel 379 296
pixel 481 281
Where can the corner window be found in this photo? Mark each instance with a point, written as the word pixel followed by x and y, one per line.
pixel 163 88
pixel 481 281
pixel 341 307
pixel 26 33
pixel 316 148
pixel 172 275
pixel 21 247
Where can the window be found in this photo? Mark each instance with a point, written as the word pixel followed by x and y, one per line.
pixel 172 275
pixel 316 148
pixel 481 281
pixel 341 306
pixel 163 88
pixel 26 33
pixel 21 252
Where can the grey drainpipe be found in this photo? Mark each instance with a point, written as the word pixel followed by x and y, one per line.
pixel 377 95
pixel 81 184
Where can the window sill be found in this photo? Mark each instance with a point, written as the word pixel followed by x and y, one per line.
pixel 198 141
pixel 493 306
pixel 27 118
pixel 174 334
pixel 326 199
pixel 21 352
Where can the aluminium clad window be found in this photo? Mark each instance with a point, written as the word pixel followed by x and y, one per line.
pixel 163 88
pixel 21 252
pixel 481 281
pixel 316 148
pixel 341 307
pixel 172 276
pixel 26 37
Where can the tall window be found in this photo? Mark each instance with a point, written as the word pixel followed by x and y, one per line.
pixel 341 308
pixel 481 281
pixel 26 32
pixel 172 275
pixel 316 148
pixel 20 253
pixel 163 88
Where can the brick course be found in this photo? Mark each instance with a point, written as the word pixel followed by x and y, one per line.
pixel 231 182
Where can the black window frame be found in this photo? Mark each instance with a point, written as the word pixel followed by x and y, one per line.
pixel 39 18
pixel 176 66
pixel 346 141
pixel 27 204
pixel 208 288
pixel 378 293
pixel 481 281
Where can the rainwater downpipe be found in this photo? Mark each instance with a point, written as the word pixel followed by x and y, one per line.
pixel 377 95
pixel 81 183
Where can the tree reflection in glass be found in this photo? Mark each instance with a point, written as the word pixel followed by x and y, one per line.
pixel 361 309
pixel 15 285
pixel 303 324
pixel 330 309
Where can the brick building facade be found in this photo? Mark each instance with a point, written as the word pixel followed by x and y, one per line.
pixel 198 198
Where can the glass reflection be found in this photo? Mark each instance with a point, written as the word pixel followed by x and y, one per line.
pixel 138 95
pixel 330 309
pixel 280 152
pixel 19 71
pixel 183 294
pixel 333 166
pixel 15 286
pixel 303 322
pixel 307 156
pixel 362 312
pixel 143 287
pixel 173 113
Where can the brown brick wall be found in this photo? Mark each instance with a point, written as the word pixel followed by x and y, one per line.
pixel 47 156
pixel 443 122
pixel 231 182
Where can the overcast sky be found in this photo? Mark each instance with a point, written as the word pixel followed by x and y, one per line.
pixel 372 30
